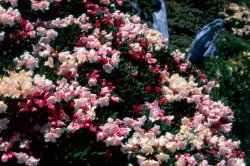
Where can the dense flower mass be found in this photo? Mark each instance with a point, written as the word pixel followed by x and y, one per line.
pixel 113 77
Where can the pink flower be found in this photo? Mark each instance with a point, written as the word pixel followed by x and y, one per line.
pixel 226 127
pixel 105 1
pixel 40 5
pixel 149 163
pixel 108 68
pixel 41 31
pixel 53 134
pixel 191 161
pixel 58 1
pixel 183 66
pixel 119 2
pixel 21 157
pixel 5 158
pixel 134 73
pixel 100 136
pixel 32 34
pixel 151 60
pixel 92 82
pixel 10 16
pixel 32 161
pixel 28 27
pixel 115 99
pixel 49 62
pixel 105 91
pixel 169 119
pixel 103 101
pixel 51 34
pixel 12 2
pixel 52 100
pixel 25 144
pixel 73 127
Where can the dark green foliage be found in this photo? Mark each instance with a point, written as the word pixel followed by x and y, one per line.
pixel 56 10
pixel 230 46
pixel 186 19
pixel 67 37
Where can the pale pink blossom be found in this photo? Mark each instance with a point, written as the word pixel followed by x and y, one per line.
pixel 92 82
pixel 53 134
pixel 21 157
pixel 3 107
pixel 32 161
pixel 103 101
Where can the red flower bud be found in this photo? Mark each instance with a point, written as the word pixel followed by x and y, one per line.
pixel 117 23
pixel 138 108
pixel 241 156
pixel 144 45
pixel 97 24
pixel 51 106
pixel 37 94
pixel 108 153
pixel 29 103
pixel 78 44
pixel 50 118
pixel 33 109
pixel 148 88
pixel 104 61
pixel 22 22
pixel 23 110
pixel 157 89
pixel 53 123
pixel 21 104
pixel 90 5
pixel 46 95
pixel 92 128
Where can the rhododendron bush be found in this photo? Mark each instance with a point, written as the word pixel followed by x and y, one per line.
pixel 237 18
pixel 91 85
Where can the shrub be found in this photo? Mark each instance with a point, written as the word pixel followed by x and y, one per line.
pixel 96 86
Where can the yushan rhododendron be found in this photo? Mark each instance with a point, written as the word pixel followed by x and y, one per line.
pixel 239 17
pixel 112 77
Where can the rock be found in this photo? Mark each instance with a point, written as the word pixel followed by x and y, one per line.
pixel 204 43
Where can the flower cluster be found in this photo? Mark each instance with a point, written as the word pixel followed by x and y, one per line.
pixel 9 16
pixel 110 66
pixel 197 133
pixel 240 16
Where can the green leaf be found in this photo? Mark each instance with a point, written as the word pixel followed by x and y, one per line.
pixel 78 154
pixel 97 153
pixel 114 115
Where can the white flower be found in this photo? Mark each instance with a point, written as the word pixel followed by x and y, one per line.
pixel 3 107
pixel 103 101
pixel 147 149
pixel 162 157
pixel 108 68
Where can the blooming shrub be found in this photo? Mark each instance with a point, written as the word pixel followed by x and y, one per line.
pixel 238 18
pixel 99 72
